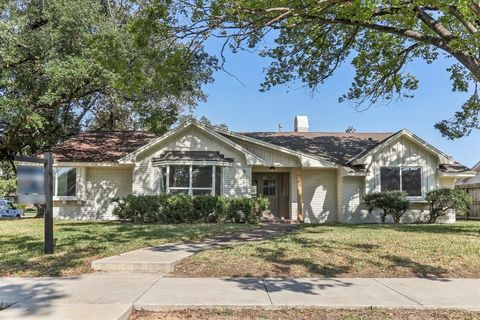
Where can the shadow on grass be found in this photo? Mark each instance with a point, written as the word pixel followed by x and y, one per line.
pixel 418 269
pixel 283 264
pixel 77 244
pixel 463 228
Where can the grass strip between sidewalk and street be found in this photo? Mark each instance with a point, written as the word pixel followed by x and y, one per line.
pixel 309 313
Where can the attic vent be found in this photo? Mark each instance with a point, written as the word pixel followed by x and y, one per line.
pixel 301 124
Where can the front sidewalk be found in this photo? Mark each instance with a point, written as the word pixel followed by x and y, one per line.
pixel 161 259
pixel 113 295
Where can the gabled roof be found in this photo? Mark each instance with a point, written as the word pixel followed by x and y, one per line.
pixel 249 156
pixel 345 149
pixel 96 146
pixel 476 167
pixel 336 147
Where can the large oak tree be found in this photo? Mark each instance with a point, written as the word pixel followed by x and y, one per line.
pixel 66 65
pixel 378 37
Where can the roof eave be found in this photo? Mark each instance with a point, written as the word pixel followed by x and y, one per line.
pixel 302 157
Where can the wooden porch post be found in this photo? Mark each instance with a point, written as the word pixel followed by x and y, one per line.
pixel 299 194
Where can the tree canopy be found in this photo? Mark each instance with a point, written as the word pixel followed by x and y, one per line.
pixel 101 64
pixel 379 38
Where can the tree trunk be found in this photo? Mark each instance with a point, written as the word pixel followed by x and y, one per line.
pixel 396 219
pixel 40 211
pixel 383 216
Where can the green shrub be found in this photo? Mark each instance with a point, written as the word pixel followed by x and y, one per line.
pixel 392 203
pixel 441 201
pixel 182 208
pixel 7 187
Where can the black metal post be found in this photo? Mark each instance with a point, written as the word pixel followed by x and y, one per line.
pixel 48 203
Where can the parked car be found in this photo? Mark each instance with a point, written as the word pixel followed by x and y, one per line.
pixel 8 210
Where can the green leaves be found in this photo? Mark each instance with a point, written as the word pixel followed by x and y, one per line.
pixel 442 200
pixel 70 64
pixel 379 38
pixel 464 121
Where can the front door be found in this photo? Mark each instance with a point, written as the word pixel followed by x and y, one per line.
pixel 274 187
pixel 269 189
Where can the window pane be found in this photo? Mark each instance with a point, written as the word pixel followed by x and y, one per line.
pixel 412 181
pixel 179 176
pixel 178 191
pixel 66 182
pixel 199 192
pixel 202 176
pixel 269 186
pixel 163 180
pixel 218 181
pixel 390 179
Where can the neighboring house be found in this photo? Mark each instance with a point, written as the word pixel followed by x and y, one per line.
pixel 472 187
pixel 308 176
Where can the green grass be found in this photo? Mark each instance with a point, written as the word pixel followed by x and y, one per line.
pixel 349 251
pixel 78 243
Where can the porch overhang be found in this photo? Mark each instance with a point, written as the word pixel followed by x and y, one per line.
pixel 192 158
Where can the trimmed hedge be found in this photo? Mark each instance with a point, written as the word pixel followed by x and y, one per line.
pixel 180 208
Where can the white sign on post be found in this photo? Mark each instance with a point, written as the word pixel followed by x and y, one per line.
pixel 31 184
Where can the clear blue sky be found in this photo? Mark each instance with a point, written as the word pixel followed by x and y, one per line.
pixel 243 107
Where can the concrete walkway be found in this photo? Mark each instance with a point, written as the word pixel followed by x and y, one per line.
pixel 113 295
pixel 162 259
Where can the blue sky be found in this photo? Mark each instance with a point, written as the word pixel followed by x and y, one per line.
pixel 243 107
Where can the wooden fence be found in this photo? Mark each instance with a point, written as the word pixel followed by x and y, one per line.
pixel 474 209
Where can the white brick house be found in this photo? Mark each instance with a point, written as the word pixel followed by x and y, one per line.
pixel 310 176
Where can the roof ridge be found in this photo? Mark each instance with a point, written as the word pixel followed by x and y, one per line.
pixel 113 131
pixel 336 132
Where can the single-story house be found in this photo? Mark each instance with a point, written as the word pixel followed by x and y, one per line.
pixel 472 187
pixel 312 177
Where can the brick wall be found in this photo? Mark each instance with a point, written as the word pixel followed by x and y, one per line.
pixel 102 185
pixel 319 195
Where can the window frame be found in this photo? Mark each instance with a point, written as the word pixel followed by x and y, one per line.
pixel 55 184
pixel 422 194
pixel 190 189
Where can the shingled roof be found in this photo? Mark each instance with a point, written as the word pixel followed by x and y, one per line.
pixel 96 146
pixel 338 147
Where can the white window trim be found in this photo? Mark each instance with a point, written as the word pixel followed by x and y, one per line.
pixel 55 183
pixel 422 190
pixel 190 187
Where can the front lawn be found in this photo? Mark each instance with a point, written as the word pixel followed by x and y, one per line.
pixel 309 313
pixel 78 243
pixel 348 251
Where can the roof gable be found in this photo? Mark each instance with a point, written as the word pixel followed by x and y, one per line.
pixel 250 157
pixel 444 158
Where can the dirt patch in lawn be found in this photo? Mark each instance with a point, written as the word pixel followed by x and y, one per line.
pixel 433 251
pixel 308 313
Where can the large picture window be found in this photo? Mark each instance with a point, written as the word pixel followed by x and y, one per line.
pixel 65 182
pixel 405 179
pixel 191 179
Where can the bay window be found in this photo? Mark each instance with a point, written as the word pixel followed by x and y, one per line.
pixel 191 179
pixel 405 179
pixel 65 182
